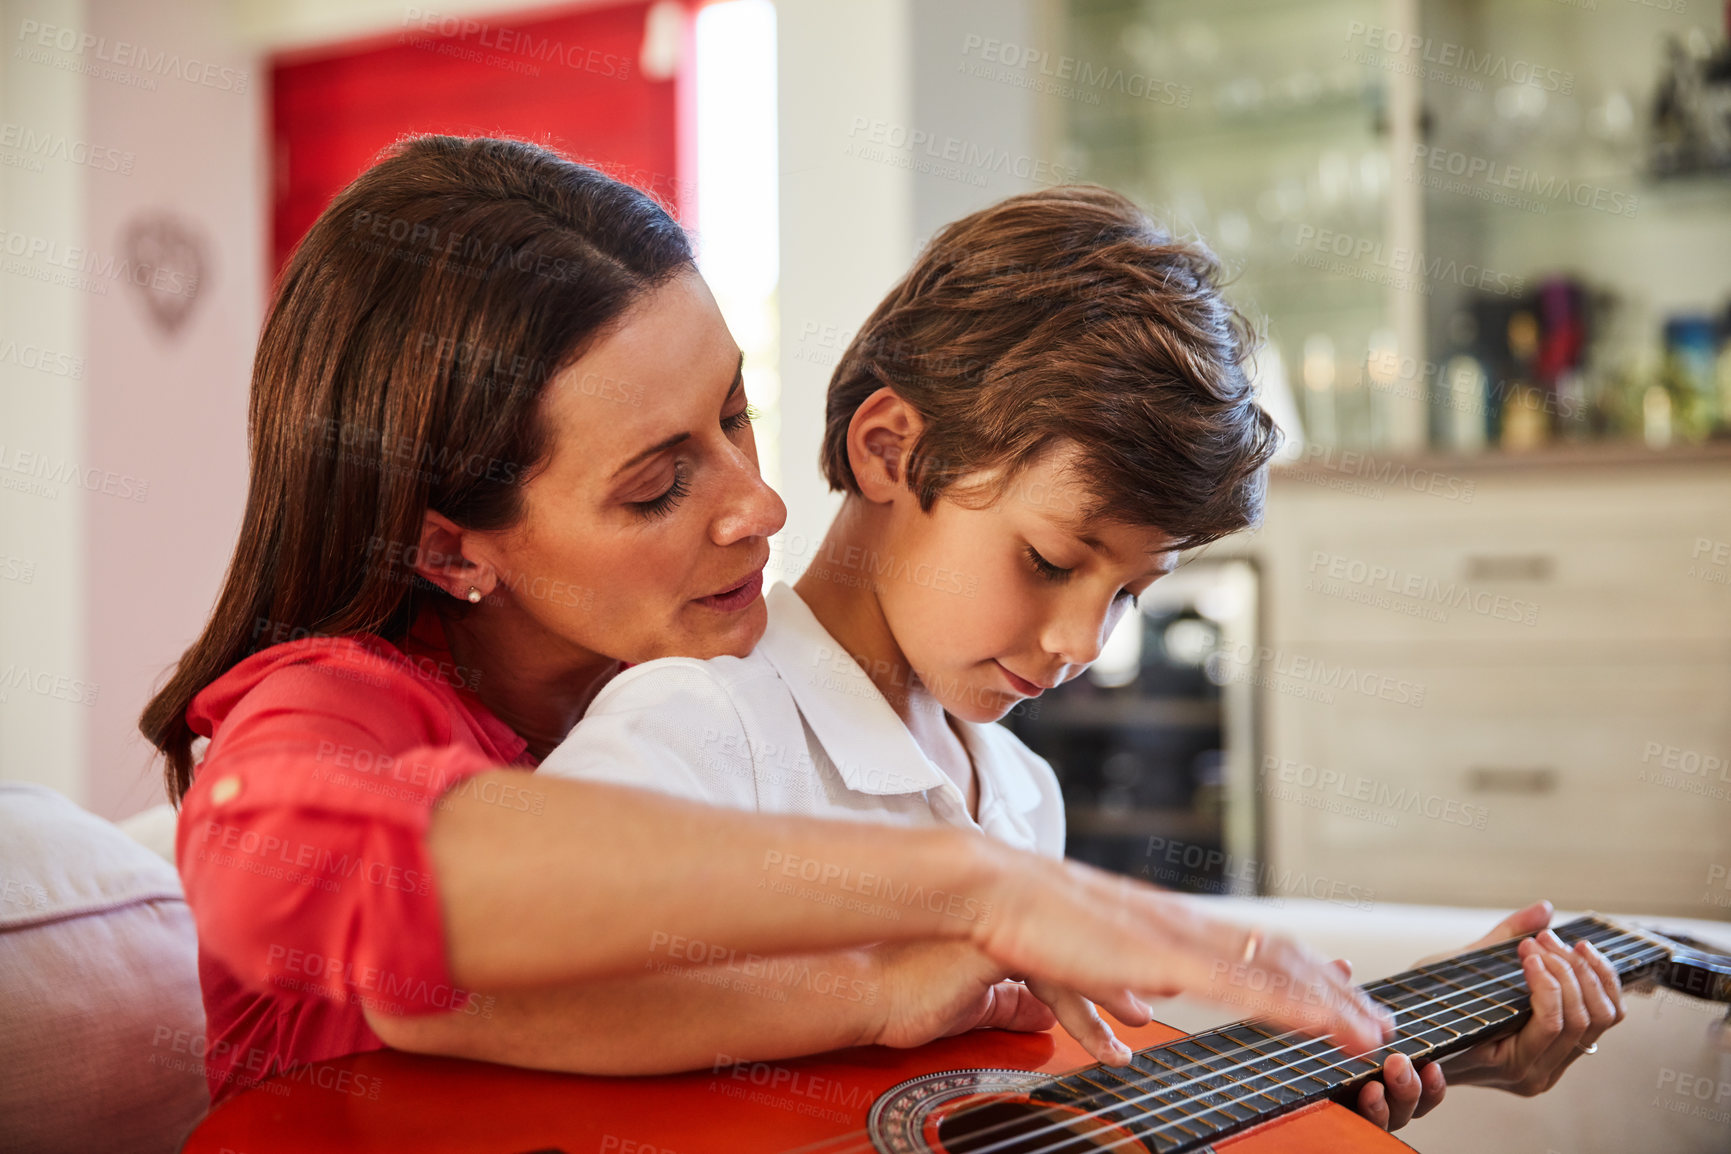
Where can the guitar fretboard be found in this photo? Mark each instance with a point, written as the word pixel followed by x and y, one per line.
pixel 1184 1094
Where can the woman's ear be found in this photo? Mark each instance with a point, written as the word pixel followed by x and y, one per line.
pixel 440 558
pixel 883 429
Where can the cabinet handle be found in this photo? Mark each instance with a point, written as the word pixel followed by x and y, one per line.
pixel 1509 566
pixel 1512 779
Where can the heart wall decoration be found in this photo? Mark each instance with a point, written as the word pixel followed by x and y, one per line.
pixel 166 266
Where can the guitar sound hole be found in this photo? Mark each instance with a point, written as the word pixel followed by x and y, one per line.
pixel 1024 1128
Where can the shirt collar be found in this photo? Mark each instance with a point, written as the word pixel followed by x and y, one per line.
pixel 862 734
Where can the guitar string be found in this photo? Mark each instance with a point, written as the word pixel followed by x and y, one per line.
pixel 1492 952
pixel 1227 1100
pixel 1067 1120
pixel 1498 952
pixel 1162 1128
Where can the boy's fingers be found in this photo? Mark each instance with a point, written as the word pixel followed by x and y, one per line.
pixel 1082 1022
pixel 1014 1007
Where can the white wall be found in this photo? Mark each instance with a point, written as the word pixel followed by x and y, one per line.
pixel 860 82
pixel 168 408
pixel 125 556
pixel 44 673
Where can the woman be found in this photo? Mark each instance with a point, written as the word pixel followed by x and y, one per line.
pixel 499 448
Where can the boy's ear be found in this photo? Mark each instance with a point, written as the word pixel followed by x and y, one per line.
pixel 882 430
pixel 441 557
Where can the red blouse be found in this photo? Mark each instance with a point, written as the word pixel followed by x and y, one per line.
pixel 302 848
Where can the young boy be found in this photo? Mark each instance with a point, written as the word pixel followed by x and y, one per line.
pixel 1048 407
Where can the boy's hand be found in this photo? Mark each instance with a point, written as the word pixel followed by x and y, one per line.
pixel 940 989
pixel 1082 1021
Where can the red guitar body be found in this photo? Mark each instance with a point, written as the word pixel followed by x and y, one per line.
pixel 391 1101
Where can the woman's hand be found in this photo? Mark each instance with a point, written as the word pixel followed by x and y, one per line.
pixel 1576 997
pixel 1120 942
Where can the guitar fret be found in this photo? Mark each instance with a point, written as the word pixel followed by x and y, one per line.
pixel 1191 1091
pixel 1192 1075
pixel 1254 1040
pixel 1164 1078
pixel 1466 983
pixel 1132 1110
pixel 1274 1092
pixel 1096 1077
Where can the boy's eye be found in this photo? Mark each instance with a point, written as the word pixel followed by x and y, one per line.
pixel 1045 568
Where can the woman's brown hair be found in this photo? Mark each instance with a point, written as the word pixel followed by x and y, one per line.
pixel 401 369
pixel 1068 315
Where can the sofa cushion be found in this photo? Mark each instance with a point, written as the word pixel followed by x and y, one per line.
pixel 100 1014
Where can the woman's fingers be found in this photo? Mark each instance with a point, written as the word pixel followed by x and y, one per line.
pixel 1126 1007
pixel 1545 1041
pixel 1082 1022
pixel 1610 987
pixel 1081 928
pixel 1530 920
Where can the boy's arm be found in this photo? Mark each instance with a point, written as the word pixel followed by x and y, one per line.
pixel 744 1008
pixel 675 1017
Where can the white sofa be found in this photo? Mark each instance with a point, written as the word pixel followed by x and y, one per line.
pixel 100 1013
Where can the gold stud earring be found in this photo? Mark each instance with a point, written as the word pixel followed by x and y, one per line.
pixel 474 595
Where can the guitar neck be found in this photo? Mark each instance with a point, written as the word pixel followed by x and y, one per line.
pixel 1184 1094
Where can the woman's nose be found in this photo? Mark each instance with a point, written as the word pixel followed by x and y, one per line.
pixel 751 508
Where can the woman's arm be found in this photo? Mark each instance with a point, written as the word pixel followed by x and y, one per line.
pixel 580 890
pixel 591 885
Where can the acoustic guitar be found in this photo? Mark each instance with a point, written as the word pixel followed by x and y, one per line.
pixel 1244 1087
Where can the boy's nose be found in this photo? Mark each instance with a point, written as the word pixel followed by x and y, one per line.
pixel 1075 641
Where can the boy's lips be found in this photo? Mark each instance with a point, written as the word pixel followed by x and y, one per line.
pixel 738 597
pixel 1021 684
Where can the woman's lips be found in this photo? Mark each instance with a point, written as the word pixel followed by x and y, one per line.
pixel 1021 684
pixel 737 598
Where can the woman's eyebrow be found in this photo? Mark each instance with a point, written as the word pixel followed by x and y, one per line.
pixel 660 447
pixel 678 438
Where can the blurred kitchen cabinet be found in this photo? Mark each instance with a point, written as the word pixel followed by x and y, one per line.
pixel 1484 683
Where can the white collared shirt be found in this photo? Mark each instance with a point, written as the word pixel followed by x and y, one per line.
pixel 798 727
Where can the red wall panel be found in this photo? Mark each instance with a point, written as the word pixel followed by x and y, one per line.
pixel 569 80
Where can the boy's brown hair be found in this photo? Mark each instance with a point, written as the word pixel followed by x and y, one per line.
pixel 1068 315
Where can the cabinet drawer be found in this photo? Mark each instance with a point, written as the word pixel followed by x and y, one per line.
pixel 1513 583
pixel 1596 785
pixel 1645 558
